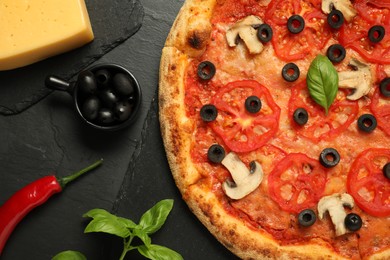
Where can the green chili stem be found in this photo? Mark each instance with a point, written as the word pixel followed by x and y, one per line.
pixel 65 180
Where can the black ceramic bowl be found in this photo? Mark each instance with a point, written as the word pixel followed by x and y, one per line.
pixel 106 96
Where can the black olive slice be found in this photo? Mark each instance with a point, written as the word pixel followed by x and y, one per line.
pixel 300 116
pixel 253 104
pixel 367 123
pixel 385 87
pixel 208 113
pixel 376 33
pixel 290 72
pixel 329 157
pixel 216 153
pixel 295 24
pixel 353 222
pixel 386 170
pixel 206 70
pixel 307 217
pixel 336 53
pixel 264 33
pixel 335 19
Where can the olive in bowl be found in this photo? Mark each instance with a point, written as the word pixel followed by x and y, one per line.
pixel 106 96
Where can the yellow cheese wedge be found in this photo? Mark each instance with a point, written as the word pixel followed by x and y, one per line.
pixel 33 30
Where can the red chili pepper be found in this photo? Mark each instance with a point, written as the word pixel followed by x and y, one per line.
pixel 31 196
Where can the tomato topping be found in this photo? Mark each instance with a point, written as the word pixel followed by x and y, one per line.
pixel 380 3
pixel 233 10
pixel 355 34
pixel 380 107
pixel 319 125
pixel 243 131
pixel 297 182
pixel 367 183
pixel 288 46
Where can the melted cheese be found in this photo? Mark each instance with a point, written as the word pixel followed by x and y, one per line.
pixel 33 30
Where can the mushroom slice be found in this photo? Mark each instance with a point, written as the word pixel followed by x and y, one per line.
pixel 245 29
pixel 344 6
pixel 360 79
pixel 245 180
pixel 334 204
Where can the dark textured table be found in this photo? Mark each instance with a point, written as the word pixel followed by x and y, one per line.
pixel 41 134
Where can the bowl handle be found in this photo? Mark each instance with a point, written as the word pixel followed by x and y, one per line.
pixel 57 83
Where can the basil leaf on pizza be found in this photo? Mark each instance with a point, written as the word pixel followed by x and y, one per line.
pixel 322 81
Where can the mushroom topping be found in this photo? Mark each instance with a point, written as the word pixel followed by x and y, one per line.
pixel 344 6
pixel 245 180
pixel 334 204
pixel 245 30
pixel 360 79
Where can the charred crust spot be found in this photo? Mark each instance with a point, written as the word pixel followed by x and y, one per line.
pixel 173 67
pixel 197 40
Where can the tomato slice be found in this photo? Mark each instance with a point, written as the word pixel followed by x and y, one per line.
pixel 380 107
pixel 288 46
pixel 367 183
pixel 297 182
pixel 321 126
pixel 355 34
pixel 240 130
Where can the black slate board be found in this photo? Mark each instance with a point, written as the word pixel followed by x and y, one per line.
pixel 113 21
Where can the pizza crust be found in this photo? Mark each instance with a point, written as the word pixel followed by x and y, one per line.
pixel 188 39
pixel 191 30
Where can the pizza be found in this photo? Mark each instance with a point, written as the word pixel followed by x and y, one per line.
pixel 275 117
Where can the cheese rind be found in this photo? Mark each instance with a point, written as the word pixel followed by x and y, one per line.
pixel 33 30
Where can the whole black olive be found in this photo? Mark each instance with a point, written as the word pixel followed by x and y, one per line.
pixel 206 70
pixel 336 53
pixel 253 104
pixel 335 19
pixel 329 157
pixel 264 33
pixel 123 110
pixel 295 24
pixel 90 108
pixel 103 78
pixel 386 170
pixel 123 84
pixel 376 33
pixel 105 116
pixel 385 87
pixel 367 123
pixel 208 113
pixel 216 153
pixel 300 116
pixel 108 98
pixel 307 218
pixel 353 222
pixel 290 72
pixel 86 83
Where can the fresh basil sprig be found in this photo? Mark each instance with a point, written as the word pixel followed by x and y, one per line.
pixel 322 81
pixel 150 222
